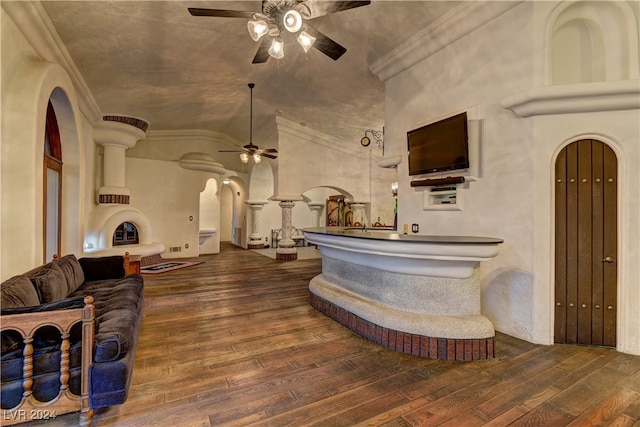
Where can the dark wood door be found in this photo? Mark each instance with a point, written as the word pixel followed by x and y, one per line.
pixel 586 244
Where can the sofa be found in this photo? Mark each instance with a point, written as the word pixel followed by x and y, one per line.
pixel 47 316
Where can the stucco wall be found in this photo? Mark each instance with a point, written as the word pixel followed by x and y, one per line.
pixel 170 197
pixel 29 79
pixel 512 199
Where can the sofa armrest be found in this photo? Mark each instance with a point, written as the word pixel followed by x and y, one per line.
pixel 103 268
pixel 26 325
pixel 64 304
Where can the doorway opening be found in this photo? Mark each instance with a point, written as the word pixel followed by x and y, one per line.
pixel 586 199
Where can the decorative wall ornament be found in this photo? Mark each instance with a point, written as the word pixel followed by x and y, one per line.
pixel 378 137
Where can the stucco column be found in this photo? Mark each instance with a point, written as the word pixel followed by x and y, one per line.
pixel 255 238
pixel 286 250
pixel 116 134
pixel 316 210
pixel 359 213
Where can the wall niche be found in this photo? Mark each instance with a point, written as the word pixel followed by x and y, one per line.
pixel 592 42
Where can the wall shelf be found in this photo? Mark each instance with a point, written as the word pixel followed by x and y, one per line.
pixel 444 197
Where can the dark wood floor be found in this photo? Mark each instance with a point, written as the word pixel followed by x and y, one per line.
pixel 233 341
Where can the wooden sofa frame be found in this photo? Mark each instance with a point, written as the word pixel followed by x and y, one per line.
pixel 26 325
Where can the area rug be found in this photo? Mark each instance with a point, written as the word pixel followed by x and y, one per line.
pixel 166 266
pixel 305 252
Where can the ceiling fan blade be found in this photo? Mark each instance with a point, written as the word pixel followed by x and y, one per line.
pixel 221 13
pixel 269 156
pixel 262 55
pixel 269 150
pixel 322 8
pixel 325 45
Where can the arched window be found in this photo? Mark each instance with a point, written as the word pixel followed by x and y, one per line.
pixel 52 176
pixel 126 234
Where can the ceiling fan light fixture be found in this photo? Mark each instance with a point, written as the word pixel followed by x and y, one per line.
pixel 292 21
pixel 244 157
pixel 277 49
pixel 257 158
pixel 257 29
pixel 305 40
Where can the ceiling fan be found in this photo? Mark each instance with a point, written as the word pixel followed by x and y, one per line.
pixel 282 17
pixel 251 150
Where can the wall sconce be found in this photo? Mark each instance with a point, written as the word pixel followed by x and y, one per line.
pixel 378 137
pixel 394 189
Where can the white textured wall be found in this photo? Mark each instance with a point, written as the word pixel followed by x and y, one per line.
pixel 475 73
pixel 513 197
pixel 168 195
pixel 28 82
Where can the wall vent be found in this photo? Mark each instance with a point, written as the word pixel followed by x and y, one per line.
pixel 175 249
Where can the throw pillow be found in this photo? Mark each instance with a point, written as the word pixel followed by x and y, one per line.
pixel 18 291
pixel 51 282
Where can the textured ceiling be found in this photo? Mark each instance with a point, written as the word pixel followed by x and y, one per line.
pixel 153 60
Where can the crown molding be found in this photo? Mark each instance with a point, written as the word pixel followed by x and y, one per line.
pixel 454 25
pixel 35 26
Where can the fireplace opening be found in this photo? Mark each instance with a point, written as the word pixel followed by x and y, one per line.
pixel 125 234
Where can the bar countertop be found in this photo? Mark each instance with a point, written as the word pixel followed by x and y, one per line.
pixel 393 235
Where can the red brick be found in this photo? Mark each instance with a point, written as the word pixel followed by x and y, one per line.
pixel 476 349
pixel 483 349
pixel 399 341
pixel 415 345
pixel 442 348
pixel 468 349
pixel 491 353
pixel 378 334
pixel 459 349
pixel 392 339
pixel 433 348
pixel 385 338
pixel 424 346
pixel 451 349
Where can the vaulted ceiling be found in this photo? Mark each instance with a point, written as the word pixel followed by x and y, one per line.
pixel 154 60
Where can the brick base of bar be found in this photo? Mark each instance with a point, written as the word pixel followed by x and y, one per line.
pixel 404 342
pixel 286 257
pixel 256 246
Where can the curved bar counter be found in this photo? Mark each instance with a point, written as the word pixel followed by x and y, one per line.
pixel 412 293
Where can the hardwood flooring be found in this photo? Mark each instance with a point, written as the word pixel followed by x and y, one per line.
pixel 233 341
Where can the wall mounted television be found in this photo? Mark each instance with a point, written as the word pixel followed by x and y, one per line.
pixel 440 146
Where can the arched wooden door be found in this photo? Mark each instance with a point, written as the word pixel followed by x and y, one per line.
pixel 586 244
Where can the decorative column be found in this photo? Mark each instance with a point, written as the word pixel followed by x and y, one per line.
pixel 359 213
pixel 316 210
pixel 255 238
pixel 116 134
pixel 286 250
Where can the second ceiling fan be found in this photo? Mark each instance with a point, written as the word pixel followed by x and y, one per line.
pixel 281 17
pixel 251 150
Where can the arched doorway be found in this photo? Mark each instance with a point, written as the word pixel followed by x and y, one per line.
pixel 586 244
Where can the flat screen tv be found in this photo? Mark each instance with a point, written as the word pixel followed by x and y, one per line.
pixel 439 146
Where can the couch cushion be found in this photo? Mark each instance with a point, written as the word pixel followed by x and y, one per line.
pixel 72 271
pixel 50 282
pixel 18 291
pixel 102 268
pixel 118 309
